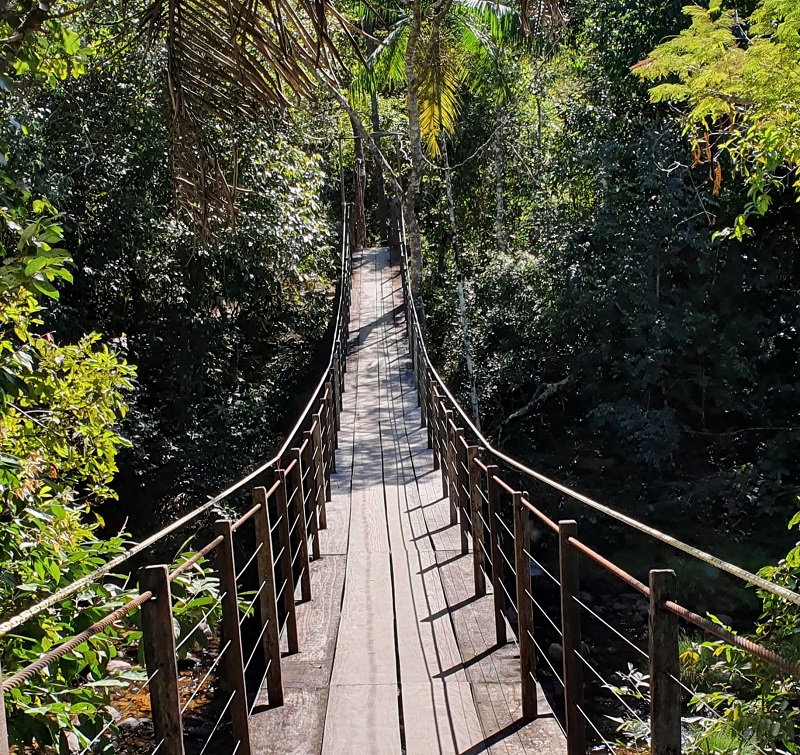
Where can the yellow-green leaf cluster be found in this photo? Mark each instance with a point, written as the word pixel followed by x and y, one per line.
pixel 739 80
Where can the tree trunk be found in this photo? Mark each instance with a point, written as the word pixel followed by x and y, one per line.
pixel 382 208
pixel 411 192
pixel 462 306
pixel 359 180
pixel 499 171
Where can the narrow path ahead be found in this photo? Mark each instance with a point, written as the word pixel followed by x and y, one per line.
pixel 397 654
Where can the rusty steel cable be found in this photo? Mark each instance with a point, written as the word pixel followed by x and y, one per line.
pixel 610 567
pixel 205 678
pixel 542 517
pixel 109 566
pixel 22 676
pixel 748 646
pixel 736 571
pixel 195 558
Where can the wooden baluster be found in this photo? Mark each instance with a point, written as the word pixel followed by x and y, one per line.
pixel 441 432
pixel 417 369
pixel 299 511
pixel 527 648
pixel 422 390
pixel 431 419
pixel 462 489
pixel 476 510
pixel 319 472
pixel 665 693
pixel 571 638
pixel 326 446
pixel 451 464
pixel 233 673
pixel 337 393
pixel 285 560
pixel 268 604
pixel 331 426
pixel 498 562
pixel 158 639
pixel 311 485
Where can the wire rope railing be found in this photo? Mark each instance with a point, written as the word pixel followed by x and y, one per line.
pixel 259 561
pixel 480 485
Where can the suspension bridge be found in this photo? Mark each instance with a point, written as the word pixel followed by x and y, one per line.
pixel 376 593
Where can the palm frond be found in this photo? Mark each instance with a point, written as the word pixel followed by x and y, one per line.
pixel 385 67
pixel 228 59
pixel 443 76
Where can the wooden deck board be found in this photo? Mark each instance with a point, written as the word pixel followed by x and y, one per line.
pixel 396 655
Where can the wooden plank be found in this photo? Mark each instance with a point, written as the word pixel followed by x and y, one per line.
pixel 365 646
pixel 296 728
pixel 435 692
pixel 362 719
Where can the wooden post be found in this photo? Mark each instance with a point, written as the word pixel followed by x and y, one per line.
pixel 3 726
pixel 476 507
pixel 268 606
pixel 665 693
pixel 451 464
pixel 311 485
pixel 285 561
pixel 527 648
pixel 431 415
pixel 498 564
pixel 424 388
pixel 337 393
pixel 417 363
pixel 442 433
pixel 317 457
pixel 571 638
pixel 462 481
pixel 233 673
pixel 299 511
pixel 327 461
pixel 158 637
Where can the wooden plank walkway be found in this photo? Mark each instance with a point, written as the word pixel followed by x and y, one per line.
pixel 396 654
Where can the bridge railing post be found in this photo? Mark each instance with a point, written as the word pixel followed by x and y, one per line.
pixel 158 640
pixel 267 602
pixel 310 492
pixel 231 632
pixel 476 512
pixel 462 487
pixel 317 466
pixel 665 693
pixel 337 394
pixel 301 527
pixel 422 387
pixel 285 592
pixel 450 450
pixel 571 638
pixel 431 418
pixel 525 629
pixel 498 561
pixel 436 429
pixel 328 455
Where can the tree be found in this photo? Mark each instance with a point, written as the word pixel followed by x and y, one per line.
pixel 738 77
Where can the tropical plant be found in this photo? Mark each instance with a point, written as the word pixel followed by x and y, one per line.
pixel 737 77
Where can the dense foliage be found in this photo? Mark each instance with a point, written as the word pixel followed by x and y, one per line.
pixel 616 342
pixel 222 325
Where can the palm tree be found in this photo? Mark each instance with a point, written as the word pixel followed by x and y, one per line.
pixel 463 51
